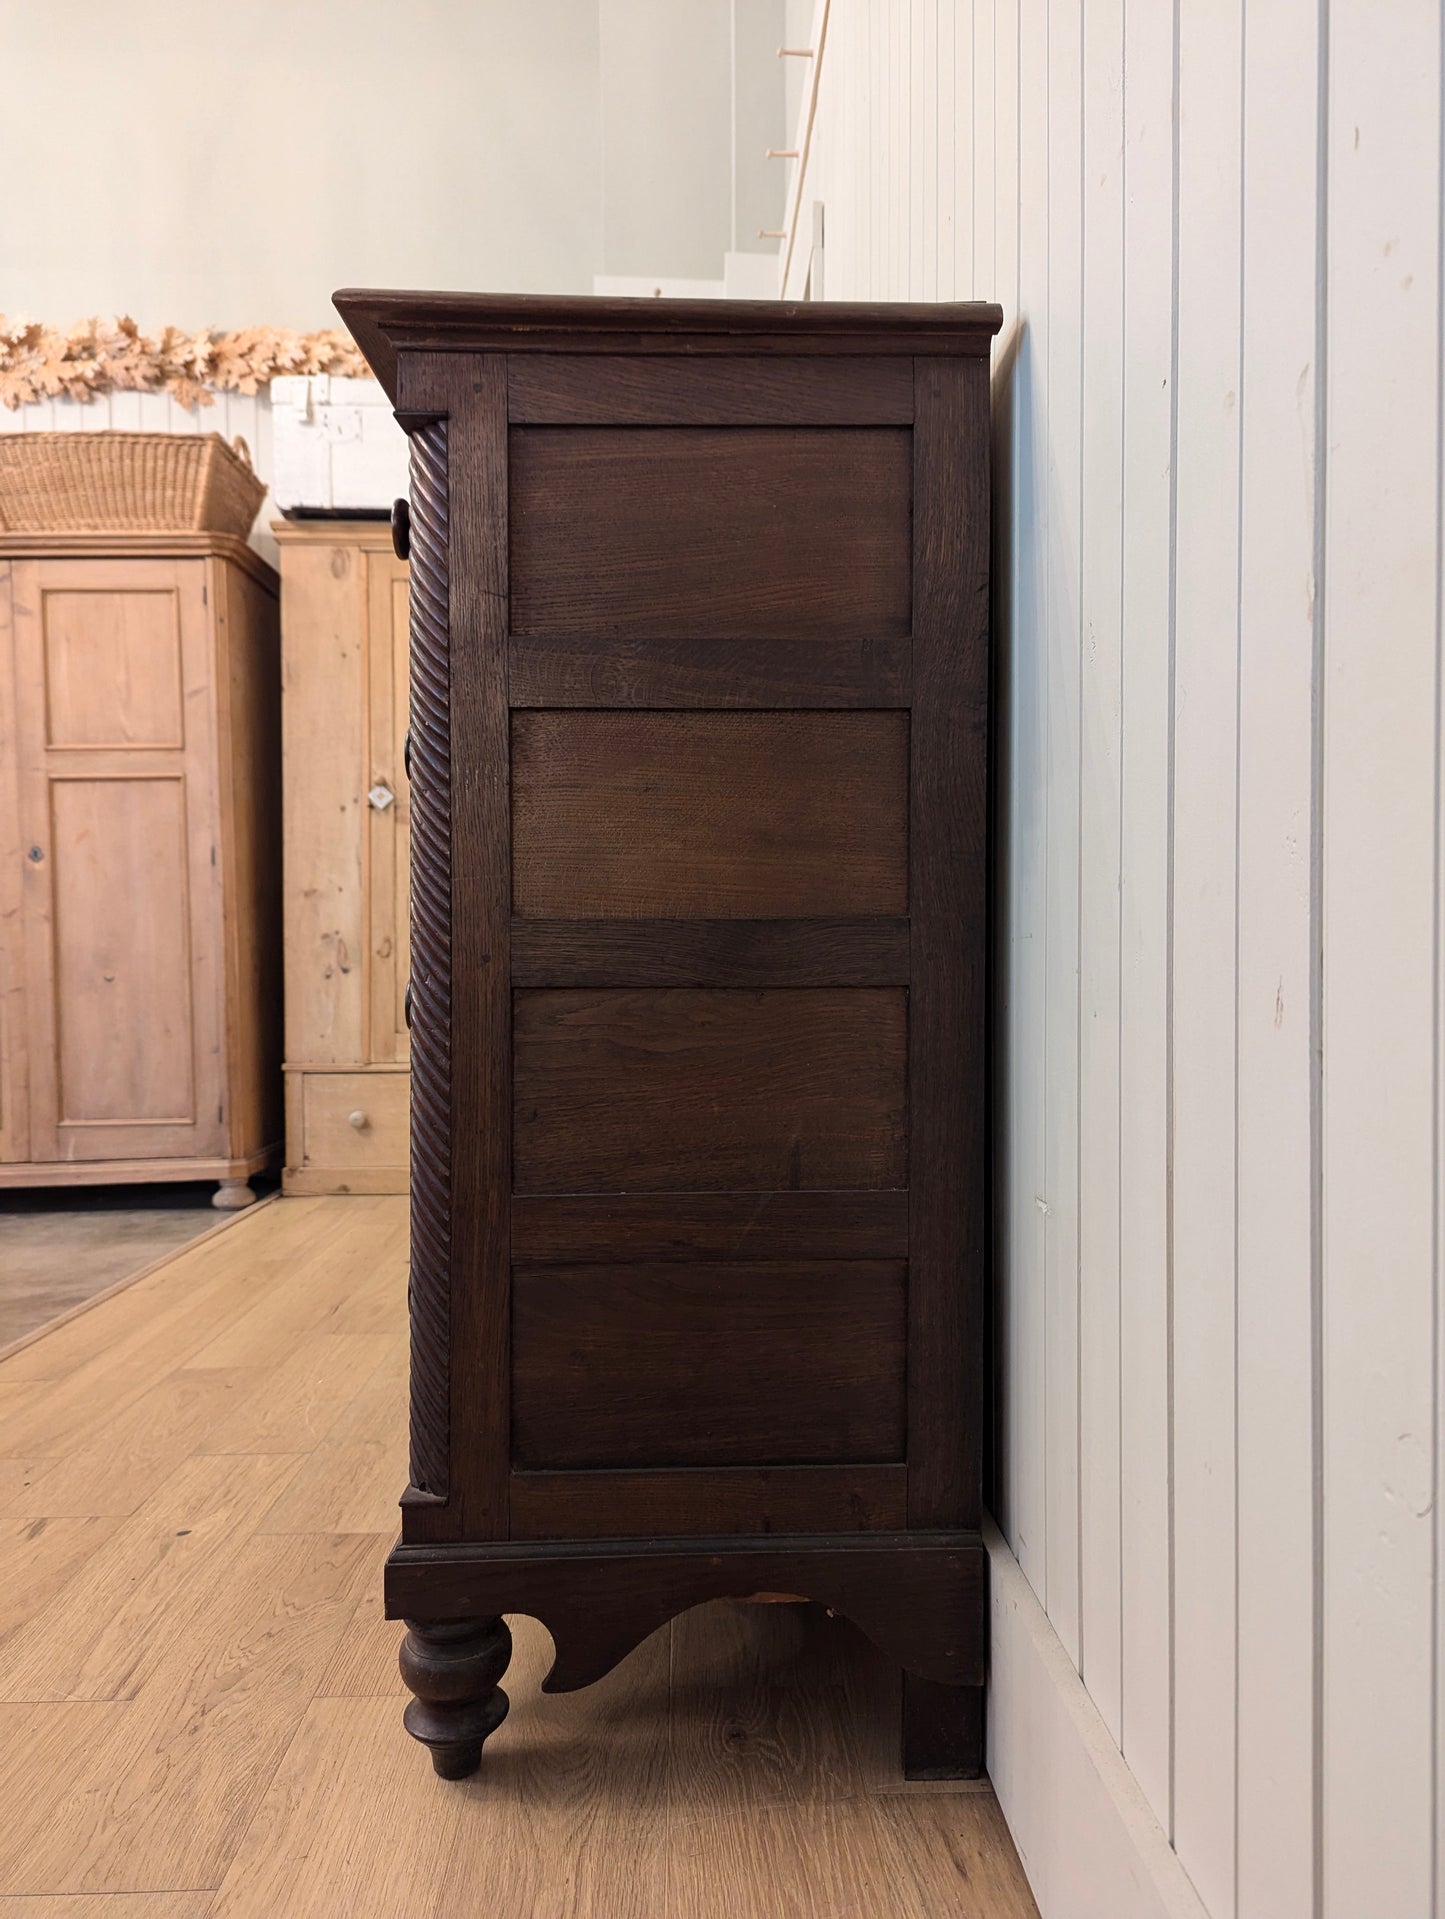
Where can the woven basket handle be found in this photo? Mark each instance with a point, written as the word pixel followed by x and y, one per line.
pixel 239 446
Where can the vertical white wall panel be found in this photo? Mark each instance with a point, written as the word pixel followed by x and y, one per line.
pixel 1380 968
pixel 1062 509
pixel 1026 775
pixel 980 186
pixel 960 188
pixel 1276 984
pixel 1206 697
pixel 1217 620
pixel 1100 819
pixel 952 20
pixel 1144 1362
pixel 926 191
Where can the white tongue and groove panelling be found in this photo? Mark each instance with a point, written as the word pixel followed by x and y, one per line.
pixel 1215 230
pixel 317 441
pixel 335 443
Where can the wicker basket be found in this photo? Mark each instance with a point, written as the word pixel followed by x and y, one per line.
pixel 108 482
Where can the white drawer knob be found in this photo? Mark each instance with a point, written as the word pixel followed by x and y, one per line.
pixel 381 796
pixel 358 1120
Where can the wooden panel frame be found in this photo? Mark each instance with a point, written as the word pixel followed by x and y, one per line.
pixel 458 415
pixel 387 829
pixel 591 671
pixel 746 953
pixel 430 1285
pixel 781 1225
pixel 204 1133
pixel 669 1503
pixel 948 936
pixel 547 389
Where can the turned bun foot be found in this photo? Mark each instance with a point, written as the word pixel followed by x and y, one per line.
pixel 231 1195
pixel 452 1667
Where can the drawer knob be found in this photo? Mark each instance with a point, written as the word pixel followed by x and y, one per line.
pixel 380 796
pixel 358 1120
pixel 401 528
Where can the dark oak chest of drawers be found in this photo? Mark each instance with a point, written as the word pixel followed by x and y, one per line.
pixel 698 759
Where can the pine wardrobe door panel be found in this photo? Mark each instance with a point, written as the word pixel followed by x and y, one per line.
pixel 388 810
pixel 123 954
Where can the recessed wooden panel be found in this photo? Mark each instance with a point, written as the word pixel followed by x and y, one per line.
pixel 672 1502
pixel 755 1364
pixel 112 668
pixel 709 815
pixel 711 532
pixel 122 972
pixel 690 1091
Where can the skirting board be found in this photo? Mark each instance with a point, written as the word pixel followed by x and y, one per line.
pixel 1087 1837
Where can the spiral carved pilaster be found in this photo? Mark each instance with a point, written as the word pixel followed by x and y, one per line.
pixel 431 965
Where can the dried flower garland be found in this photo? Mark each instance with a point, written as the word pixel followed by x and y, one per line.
pixel 100 356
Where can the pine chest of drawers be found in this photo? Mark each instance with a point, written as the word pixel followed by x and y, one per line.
pixel 699 723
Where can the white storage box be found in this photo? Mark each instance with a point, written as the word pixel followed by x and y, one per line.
pixel 336 448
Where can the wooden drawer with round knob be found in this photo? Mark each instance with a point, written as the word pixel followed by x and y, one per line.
pixel 352 1129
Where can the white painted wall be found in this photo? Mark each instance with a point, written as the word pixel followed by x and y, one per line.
pixel 1215 228
pixel 231 166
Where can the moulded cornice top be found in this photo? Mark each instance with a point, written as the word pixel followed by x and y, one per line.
pixel 386 324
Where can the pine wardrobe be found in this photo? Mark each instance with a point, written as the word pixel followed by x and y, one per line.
pixel 698 762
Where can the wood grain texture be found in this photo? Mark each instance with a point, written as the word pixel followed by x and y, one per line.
pixel 721 952
pixel 262 1752
pixel 620 1091
pixel 919 1598
pixel 709 815
pixel 778 1225
pixel 640 531
pixel 323 711
pixel 614 671
pixel 947 1000
pixel 391 327
pixel 727 1499
pixel 142 981
pixel 708 1365
pixel 480 1115
pixel 622 390
pixel 347 892
pixel 431 963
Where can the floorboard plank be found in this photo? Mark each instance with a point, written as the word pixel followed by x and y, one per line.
pixel 161 1799
pixel 200 1692
pixel 158 1573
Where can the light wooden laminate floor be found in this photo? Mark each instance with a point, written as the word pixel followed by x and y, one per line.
pixel 200 1711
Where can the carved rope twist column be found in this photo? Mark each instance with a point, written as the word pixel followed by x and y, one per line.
pixel 431 965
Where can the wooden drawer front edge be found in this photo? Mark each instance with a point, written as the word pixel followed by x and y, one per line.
pixel 431 965
pixel 349 1123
